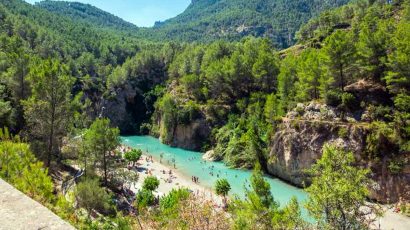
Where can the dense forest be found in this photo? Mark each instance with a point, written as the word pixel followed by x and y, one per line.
pixel 86 13
pixel 73 78
pixel 210 20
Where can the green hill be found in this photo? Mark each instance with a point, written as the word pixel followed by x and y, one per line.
pixel 87 13
pixel 207 20
pixel 210 20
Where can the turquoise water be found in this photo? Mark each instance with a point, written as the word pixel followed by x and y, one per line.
pixel 190 163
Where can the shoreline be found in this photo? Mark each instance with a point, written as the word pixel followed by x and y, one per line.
pixel 390 220
pixel 169 182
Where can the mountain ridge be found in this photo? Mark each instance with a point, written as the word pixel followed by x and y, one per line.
pixel 210 20
pixel 88 13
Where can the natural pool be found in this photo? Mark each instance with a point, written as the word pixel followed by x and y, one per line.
pixel 190 163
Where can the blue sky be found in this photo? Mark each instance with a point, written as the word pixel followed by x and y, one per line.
pixel 139 12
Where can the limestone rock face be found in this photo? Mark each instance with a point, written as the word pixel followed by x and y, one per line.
pixel 118 109
pixel 298 145
pixel 191 136
pixel 211 156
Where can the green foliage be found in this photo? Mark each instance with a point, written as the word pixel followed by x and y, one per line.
pixel 169 203
pixel 339 51
pixel 144 198
pixel 100 140
pixel 312 80
pixel 86 13
pixel 396 166
pixel 333 97
pixel 286 81
pixel 380 140
pixel 133 156
pixel 222 187
pixel 262 188
pixel 151 183
pixel 338 191
pixel 205 20
pixel 48 110
pixel 91 196
pixel 343 132
pixel 19 167
pixel 5 108
pixel 168 117
pixel 260 211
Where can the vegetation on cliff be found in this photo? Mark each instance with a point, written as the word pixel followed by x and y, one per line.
pixel 241 89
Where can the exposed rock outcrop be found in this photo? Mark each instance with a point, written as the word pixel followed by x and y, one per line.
pixel 119 109
pixel 211 156
pixel 298 145
pixel 190 136
pixel 369 92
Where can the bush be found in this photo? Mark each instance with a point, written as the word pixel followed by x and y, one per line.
pixel 343 132
pixel 144 198
pixel 145 128
pixel 349 102
pixel 150 183
pixel 333 98
pixel 19 167
pixel 133 156
pixel 395 166
pixel 190 112
pixel 222 187
pixel 91 196
pixel 169 203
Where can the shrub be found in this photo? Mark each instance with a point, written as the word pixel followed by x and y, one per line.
pixel 395 166
pixel 333 98
pixel 150 183
pixel 91 196
pixel 169 203
pixel 145 128
pixel 19 167
pixel 144 198
pixel 349 102
pixel 133 155
pixel 343 132
pixel 222 187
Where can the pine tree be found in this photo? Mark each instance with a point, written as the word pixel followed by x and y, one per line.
pixel 339 51
pixel 102 140
pixel 48 110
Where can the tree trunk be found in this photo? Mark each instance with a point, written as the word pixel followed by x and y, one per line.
pixel 342 80
pixel 105 169
pixel 50 141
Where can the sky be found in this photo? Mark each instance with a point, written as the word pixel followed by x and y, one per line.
pixel 143 13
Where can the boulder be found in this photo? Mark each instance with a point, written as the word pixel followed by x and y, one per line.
pixel 210 156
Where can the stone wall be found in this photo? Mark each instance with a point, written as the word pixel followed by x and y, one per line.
pixel 18 211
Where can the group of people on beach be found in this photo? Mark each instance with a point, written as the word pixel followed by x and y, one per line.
pixel 195 179
pixel 149 159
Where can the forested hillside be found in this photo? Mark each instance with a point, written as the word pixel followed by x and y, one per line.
pixel 242 99
pixel 208 20
pixel 86 13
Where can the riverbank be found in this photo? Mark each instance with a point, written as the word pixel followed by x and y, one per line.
pixel 190 163
pixel 168 181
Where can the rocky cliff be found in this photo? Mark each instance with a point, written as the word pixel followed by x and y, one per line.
pixel 119 108
pixel 298 144
pixel 187 136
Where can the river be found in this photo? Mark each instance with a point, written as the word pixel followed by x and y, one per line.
pixel 190 163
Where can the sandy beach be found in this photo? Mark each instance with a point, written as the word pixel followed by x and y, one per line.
pixel 175 180
pixel 170 181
